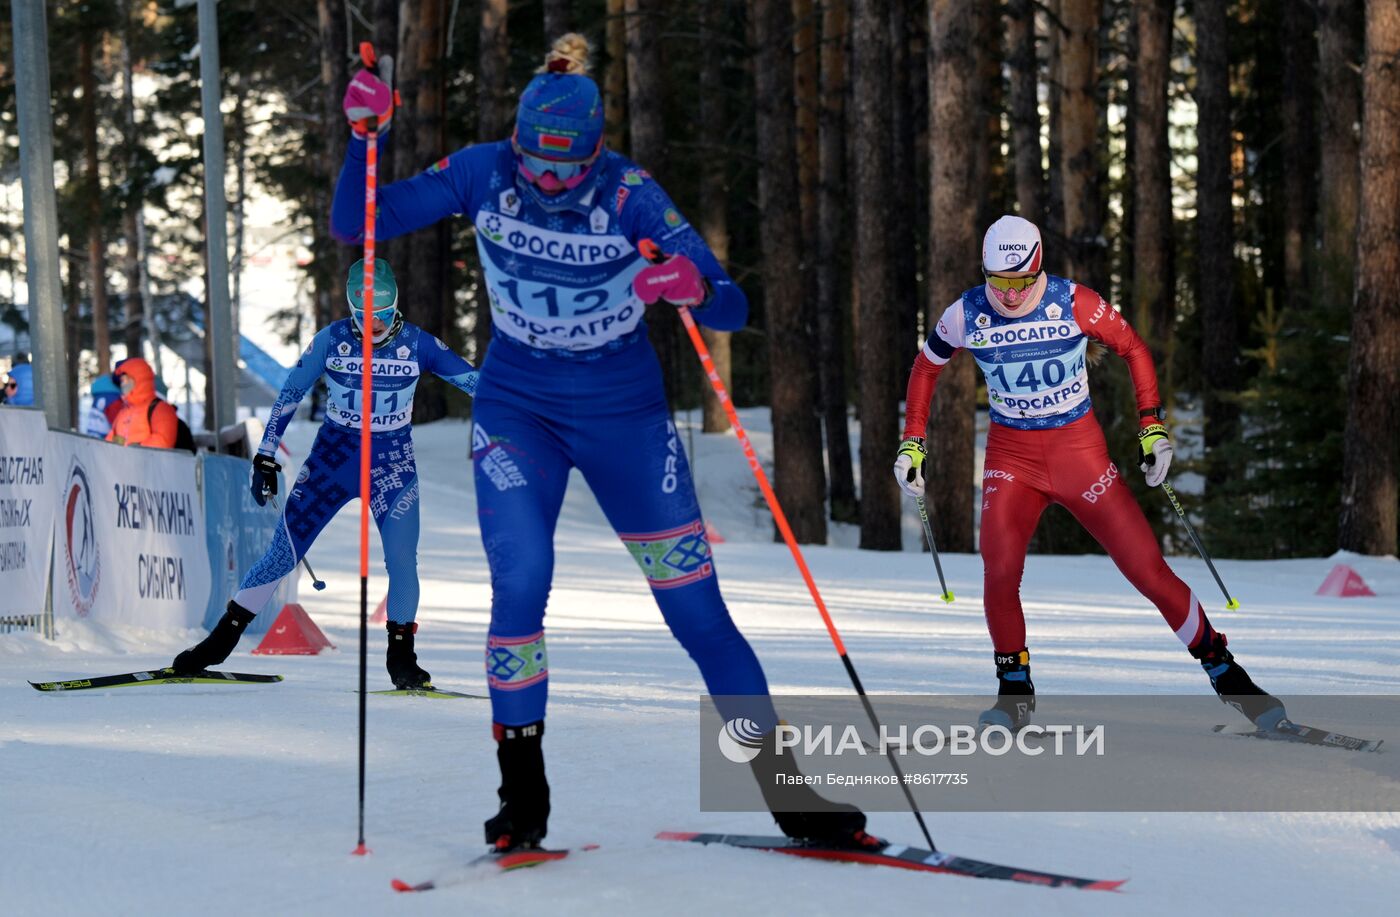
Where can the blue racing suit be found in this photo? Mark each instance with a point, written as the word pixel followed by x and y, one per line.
pixel 330 477
pixel 571 381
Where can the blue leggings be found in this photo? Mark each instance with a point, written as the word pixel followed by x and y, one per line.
pixel 534 419
pixel 329 479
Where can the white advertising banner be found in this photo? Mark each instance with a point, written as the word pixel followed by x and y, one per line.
pixel 129 539
pixel 28 493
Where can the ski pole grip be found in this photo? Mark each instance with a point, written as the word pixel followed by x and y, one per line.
pixel 651 251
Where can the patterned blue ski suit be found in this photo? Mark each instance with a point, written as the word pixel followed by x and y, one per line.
pixel 571 381
pixel 330 477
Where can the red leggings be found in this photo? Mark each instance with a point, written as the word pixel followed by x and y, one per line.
pixel 1027 470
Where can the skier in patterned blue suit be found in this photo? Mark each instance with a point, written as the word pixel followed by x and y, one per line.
pixel 330 477
pixel 571 381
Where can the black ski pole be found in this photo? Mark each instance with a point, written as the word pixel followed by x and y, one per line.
pixel 1231 602
pixel 933 548
pixel 317 583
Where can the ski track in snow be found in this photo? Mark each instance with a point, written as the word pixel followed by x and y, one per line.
pixel 237 800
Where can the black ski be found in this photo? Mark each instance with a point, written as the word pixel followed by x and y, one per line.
pixel 897 856
pixel 487 862
pixel 164 676
pixel 1289 731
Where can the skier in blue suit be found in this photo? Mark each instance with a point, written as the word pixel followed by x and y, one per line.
pixel 330 477
pixel 571 381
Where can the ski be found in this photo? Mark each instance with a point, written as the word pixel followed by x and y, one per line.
pixel 899 857
pixel 487 862
pixel 164 676
pixel 1289 731
pixel 428 691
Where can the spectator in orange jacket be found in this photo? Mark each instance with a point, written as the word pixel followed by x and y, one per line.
pixel 145 419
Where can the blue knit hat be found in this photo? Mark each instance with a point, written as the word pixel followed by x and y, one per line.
pixel 560 116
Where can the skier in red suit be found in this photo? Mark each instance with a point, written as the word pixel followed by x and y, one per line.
pixel 1029 332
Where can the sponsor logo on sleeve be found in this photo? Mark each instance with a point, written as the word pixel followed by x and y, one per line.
pixel 672 218
pixel 438 166
pixel 620 199
pixel 634 177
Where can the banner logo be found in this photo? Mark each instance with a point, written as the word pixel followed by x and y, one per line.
pixel 80 551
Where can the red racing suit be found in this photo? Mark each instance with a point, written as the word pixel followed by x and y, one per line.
pixel 1045 446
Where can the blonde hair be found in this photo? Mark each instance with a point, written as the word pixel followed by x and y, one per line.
pixel 568 54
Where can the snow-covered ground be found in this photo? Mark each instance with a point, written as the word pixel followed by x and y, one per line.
pixel 242 800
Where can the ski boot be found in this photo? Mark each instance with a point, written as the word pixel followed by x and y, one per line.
pixel 402 661
pixel 216 647
pixel 1235 687
pixel 801 812
pixel 1015 693
pixel 522 821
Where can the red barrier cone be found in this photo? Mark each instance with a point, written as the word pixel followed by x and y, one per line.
pixel 1344 582
pixel 293 634
pixel 712 534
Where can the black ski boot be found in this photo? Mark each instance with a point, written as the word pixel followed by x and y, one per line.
pixel 1235 687
pixel 522 821
pixel 402 661
pixel 214 648
pixel 801 812
pixel 1015 692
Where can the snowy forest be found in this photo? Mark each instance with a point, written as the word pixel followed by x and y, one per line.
pixel 1227 172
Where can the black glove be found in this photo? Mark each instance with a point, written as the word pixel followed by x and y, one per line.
pixel 264 477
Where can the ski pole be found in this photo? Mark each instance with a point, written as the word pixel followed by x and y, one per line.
pixel 933 548
pixel 1231 602
pixel 367 55
pixel 652 252
pixel 316 582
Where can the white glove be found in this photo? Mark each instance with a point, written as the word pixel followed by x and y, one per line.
pixel 1154 453
pixel 909 466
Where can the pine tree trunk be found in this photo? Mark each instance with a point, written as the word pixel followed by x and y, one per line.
pixel 422 275
pixel 832 280
pixel 645 81
pixel 558 19
pixel 615 78
pixel 1079 142
pixel 492 122
pixel 1154 278
pixel 335 75
pixel 1371 467
pixel 134 331
pixel 714 208
pixel 92 193
pixel 877 363
pixel 900 220
pixel 798 476
pixel 238 135
pixel 1339 50
pixel 1025 109
pixel 1057 255
pixel 954 260
pixel 1215 242
pixel 1299 152
pixel 990 174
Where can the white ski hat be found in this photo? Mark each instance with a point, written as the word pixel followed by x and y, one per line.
pixel 1011 245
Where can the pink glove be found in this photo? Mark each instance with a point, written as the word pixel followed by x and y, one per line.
pixel 676 280
pixel 367 97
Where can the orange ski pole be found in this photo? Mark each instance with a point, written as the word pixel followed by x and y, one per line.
pixel 652 252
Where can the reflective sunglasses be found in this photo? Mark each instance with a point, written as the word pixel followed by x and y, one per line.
pixel 1008 284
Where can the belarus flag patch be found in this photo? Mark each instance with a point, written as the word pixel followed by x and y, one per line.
pixel 555 142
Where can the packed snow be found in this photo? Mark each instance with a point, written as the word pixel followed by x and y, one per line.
pixel 234 800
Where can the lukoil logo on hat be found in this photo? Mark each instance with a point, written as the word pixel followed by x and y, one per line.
pixel 740 740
